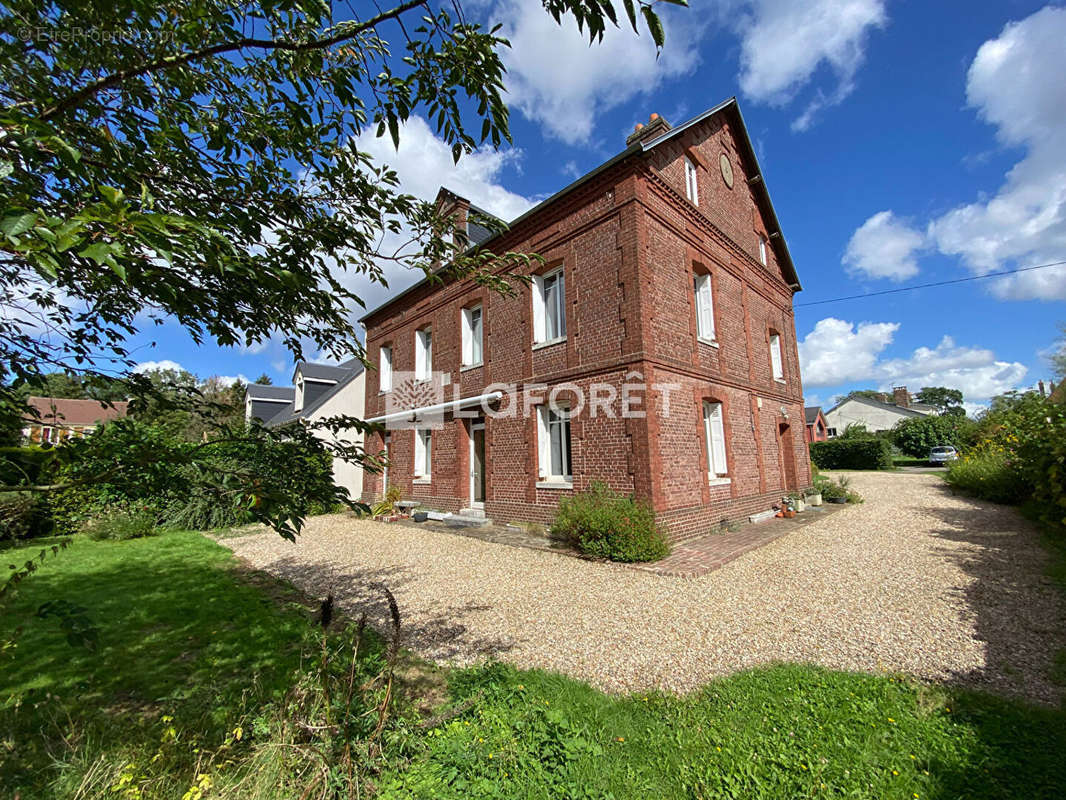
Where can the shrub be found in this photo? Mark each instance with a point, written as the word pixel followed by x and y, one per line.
pixel 25 464
pixel 121 524
pixel 24 514
pixel 916 436
pixel 853 453
pixel 387 505
pixel 989 475
pixel 600 522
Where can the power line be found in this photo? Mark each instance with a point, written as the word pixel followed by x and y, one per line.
pixel 930 285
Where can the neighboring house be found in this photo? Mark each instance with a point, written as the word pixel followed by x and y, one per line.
pixel 817 429
pixel 319 391
pixel 875 415
pixel 60 418
pixel 665 277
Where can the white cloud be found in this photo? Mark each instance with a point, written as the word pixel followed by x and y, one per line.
pixel 423 163
pixel 1015 83
pixel 163 364
pixel 555 78
pixel 884 247
pixel 837 352
pixel 784 43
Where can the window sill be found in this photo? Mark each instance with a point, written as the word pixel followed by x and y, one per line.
pixel 384 391
pixel 782 381
pixel 706 341
pixel 466 367
pixel 555 483
pixel 719 481
pixel 549 343
pixel 424 480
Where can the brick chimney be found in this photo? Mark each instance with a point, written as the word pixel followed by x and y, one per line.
pixel 901 397
pixel 656 127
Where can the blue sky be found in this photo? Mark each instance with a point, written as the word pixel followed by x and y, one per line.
pixel 902 143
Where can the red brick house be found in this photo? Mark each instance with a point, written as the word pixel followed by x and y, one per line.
pixel 654 349
pixel 817 428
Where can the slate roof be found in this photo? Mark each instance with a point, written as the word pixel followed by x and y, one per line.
pixel 756 182
pixel 64 411
pixel 877 404
pixel 258 391
pixel 811 413
pixel 344 374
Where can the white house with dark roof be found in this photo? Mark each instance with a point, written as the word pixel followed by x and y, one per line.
pixel 874 415
pixel 319 391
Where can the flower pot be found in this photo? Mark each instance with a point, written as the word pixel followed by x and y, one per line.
pixel 420 516
pixel 814 499
pixel 838 500
pixel 800 506
pixel 789 513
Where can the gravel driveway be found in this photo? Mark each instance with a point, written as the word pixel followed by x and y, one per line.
pixel 914 580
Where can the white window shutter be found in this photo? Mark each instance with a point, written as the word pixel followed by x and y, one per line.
pixel 704 307
pixel 544 456
pixel 538 309
pixel 419 354
pixel 775 355
pixel 468 338
pixel 385 369
pixel 428 368
pixel 718 440
pixel 420 453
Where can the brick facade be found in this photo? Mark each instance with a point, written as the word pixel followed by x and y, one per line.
pixel 629 243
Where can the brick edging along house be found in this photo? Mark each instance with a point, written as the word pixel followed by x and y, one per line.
pixel 654 348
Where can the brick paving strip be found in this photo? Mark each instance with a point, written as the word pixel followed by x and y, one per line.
pixel 696 557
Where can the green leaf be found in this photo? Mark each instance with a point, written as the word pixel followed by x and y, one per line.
pixel 631 12
pixel 99 252
pixel 114 197
pixel 6 168
pixel 655 26
pixel 13 226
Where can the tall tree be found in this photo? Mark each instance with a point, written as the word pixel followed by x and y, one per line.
pixel 944 400
pixel 194 162
pixel 264 380
pixel 1058 357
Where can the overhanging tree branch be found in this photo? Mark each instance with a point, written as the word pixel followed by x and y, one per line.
pixel 247 43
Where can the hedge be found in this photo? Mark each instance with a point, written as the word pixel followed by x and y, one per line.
pixel 852 454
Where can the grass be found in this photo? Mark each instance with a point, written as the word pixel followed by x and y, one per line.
pixel 190 646
pixel 180 633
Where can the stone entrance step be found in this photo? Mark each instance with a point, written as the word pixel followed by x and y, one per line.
pixel 472 512
pixel 464 520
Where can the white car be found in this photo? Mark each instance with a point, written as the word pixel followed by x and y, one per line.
pixel 941 456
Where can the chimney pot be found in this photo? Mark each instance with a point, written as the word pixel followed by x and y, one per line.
pixel 639 126
pixel 653 117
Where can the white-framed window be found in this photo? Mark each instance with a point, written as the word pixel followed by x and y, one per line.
pixel 692 190
pixel 472 336
pixel 385 370
pixel 762 249
pixel 830 432
pixel 423 354
pixel 704 306
pixel 423 452
pixel 714 434
pixel 549 306
pixel 775 357
pixel 553 440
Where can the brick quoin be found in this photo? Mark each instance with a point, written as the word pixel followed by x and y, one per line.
pixel 630 243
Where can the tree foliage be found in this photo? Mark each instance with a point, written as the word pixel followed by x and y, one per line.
pixel 916 436
pixel 195 163
pixel 944 400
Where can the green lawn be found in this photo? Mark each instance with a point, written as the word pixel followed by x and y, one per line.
pixel 184 634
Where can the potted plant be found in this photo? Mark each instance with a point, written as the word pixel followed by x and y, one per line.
pixel 812 496
pixel 796 502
